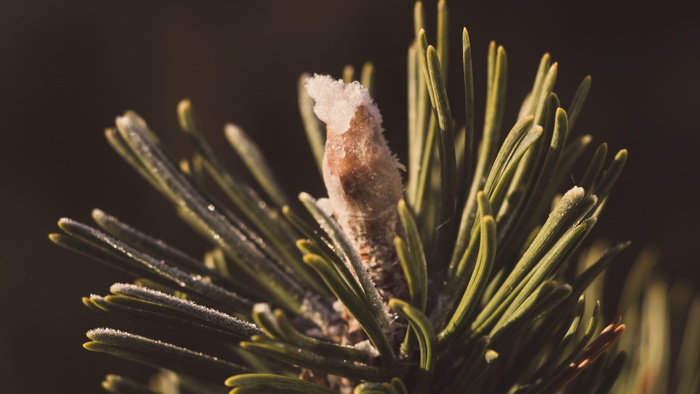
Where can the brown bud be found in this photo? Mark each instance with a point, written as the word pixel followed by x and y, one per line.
pixel 361 175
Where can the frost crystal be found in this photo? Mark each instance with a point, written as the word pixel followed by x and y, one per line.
pixel 336 101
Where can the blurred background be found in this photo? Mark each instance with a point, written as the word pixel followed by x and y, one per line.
pixel 69 67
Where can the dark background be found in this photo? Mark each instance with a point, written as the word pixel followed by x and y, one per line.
pixel 68 67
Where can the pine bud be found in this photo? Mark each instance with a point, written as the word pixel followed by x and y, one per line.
pixel 361 175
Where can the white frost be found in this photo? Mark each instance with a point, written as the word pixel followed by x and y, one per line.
pixel 367 347
pixel 337 101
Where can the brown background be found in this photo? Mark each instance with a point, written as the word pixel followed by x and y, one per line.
pixel 68 67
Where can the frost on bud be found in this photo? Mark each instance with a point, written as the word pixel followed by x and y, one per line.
pixel 361 175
